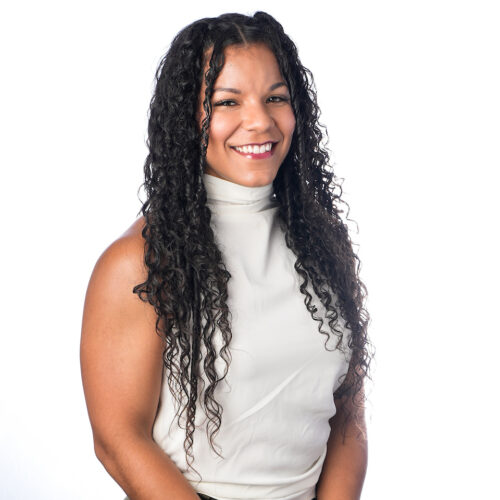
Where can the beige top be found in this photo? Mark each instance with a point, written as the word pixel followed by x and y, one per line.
pixel 278 394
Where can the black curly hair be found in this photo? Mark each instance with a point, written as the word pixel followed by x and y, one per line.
pixel 187 278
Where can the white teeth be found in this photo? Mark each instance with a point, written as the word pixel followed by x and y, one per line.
pixel 255 149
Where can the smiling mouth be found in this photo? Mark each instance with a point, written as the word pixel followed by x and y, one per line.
pixel 255 151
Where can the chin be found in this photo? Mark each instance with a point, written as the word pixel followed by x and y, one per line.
pixel 250 178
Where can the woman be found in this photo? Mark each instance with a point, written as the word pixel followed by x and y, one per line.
pixel 224 342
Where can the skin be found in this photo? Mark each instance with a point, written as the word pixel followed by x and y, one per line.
pixel 346 461
pixel 256 109
pixel 121 364
pixel 122 355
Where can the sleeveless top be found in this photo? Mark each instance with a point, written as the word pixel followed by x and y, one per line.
pixel 277 397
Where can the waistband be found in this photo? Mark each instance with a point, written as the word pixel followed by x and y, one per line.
pixel 206 497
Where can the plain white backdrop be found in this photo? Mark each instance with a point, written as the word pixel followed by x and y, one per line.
pixel 409 92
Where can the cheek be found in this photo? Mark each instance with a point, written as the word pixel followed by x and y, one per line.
pixel 221 129
pixel 288 123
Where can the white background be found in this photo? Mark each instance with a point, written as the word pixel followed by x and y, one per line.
pixel 410 95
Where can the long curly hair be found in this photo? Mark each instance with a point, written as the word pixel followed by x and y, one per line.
pixel 187 278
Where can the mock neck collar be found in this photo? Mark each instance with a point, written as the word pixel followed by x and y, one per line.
pixel 224 196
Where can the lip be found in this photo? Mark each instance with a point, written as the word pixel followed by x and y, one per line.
pixel 257 156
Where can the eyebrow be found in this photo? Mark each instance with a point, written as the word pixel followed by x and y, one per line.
pixel 236 91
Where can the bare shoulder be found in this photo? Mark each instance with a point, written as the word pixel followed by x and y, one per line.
pixel 135 230
pixel 117 271
pixel 129 246
pixel 120 352
pixel 122 262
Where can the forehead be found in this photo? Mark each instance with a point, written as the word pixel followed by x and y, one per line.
pixel 241 61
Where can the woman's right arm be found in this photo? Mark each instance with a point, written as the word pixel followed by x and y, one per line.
pixel 122 361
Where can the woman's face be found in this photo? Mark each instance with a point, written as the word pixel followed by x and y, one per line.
pixel 251 109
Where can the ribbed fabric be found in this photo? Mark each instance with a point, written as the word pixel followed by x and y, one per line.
pixel 278 395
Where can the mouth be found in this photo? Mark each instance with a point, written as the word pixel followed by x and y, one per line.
pixel 256 151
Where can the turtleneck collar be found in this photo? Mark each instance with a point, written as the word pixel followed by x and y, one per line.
pixel 224 196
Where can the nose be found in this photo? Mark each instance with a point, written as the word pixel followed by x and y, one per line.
pixel 257 117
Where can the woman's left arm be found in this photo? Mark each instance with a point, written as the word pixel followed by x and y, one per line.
pixel 346 460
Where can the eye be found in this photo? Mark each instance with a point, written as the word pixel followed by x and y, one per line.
pixel 226 102
pixel 279 98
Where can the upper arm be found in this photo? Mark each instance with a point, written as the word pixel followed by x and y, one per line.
pixel 350 407
pixel 349 417
pixel 121 354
